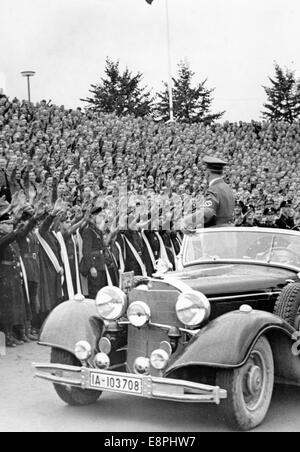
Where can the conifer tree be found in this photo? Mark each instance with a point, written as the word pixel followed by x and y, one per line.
pixel 191 104
pixel 120 93
pixel 283 97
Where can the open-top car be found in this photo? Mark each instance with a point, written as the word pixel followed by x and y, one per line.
pixel 221 330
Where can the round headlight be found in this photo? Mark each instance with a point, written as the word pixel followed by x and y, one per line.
pixel 139 314
pixel 83 350
pixel 111 303
pixel 159 359
pixel 193 308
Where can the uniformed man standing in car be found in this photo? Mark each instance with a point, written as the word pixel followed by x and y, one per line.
pixel 219 200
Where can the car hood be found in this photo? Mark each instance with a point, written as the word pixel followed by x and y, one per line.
pixel 222 279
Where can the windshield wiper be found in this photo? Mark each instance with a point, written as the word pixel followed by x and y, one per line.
pixel 271 249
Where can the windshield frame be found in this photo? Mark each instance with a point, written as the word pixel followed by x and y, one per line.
pixel 252 230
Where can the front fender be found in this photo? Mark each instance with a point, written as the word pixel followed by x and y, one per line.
pixel 70 323
pixel 227 341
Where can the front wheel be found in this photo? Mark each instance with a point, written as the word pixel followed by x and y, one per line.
pixel 249 388
pixel 68 394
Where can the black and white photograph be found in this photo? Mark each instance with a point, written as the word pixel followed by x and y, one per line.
pixel 149 218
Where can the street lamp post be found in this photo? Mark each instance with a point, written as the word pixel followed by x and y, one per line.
pixel 28 75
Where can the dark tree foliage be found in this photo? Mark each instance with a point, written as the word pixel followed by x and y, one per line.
pixel 120 93
pixel 191 104
pixel 283 97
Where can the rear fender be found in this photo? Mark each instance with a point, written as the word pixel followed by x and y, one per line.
pixel 70 323
pixel 227 341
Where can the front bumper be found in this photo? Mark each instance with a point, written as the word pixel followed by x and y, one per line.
pixel 149 387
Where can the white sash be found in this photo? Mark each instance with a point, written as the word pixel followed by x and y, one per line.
pixel 79 291
pixel 122 263
pixel 137 257
pixel 163 252
pixel 65 259
pixel 109 281
pixel 25 279
pixel 48 250
pixel 84 283
pixel 179 239
pixel 175 255
pixel 150 251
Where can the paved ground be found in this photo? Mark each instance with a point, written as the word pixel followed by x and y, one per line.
pixel 30 405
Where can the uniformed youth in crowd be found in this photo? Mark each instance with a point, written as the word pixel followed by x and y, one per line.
pixel 18 272
pixel 65 247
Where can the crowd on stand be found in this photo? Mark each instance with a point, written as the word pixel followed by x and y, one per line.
pixel 64 177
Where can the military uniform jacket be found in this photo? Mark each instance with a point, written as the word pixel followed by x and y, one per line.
pixel 50 287
pixel 4 186
pixel 131 263
pixel 29 248
pixel 9 255
pixel 155 247
pixel 12 299
pixel 219 205
pixel 284 222
pixel 93 251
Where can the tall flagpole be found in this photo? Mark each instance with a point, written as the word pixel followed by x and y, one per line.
pixel 170 84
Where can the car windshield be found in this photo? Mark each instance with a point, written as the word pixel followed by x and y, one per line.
pixel 238 244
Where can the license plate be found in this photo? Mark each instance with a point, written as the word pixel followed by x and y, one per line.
pixel 116 383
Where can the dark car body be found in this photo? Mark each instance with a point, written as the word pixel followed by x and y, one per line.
pixel 242 280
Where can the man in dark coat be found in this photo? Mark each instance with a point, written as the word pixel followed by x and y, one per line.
pixel 219 200
pixel 50 289
pixel 29 249
pixel 133 249
pixel 12 294
pixel 153 242
pixel 219 203
pixel 98 264
pixel 4 182
pixel 286 220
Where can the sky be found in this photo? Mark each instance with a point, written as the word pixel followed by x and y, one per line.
pixel 231 43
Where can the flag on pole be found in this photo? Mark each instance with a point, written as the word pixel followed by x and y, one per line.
pixel 149 2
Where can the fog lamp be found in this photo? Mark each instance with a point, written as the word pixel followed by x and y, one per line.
pixel 159 359
pixel 83 350
pixel 105 345
pixel 142 366
pixel 102 361
pixel 139 314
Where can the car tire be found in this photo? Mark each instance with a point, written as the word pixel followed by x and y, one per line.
pixel 249 388
pixel 288 305
pixel 68 394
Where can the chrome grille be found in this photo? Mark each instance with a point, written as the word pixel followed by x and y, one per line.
pixel 142 342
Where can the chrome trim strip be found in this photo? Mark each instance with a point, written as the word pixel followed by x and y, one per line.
pixel 243 262
pixel 160 326
pixel 237 297
pixel 164 327
pixel 59 380
pixel 249 229
pixel 168 327
pixel 177 283
pixel 190 332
